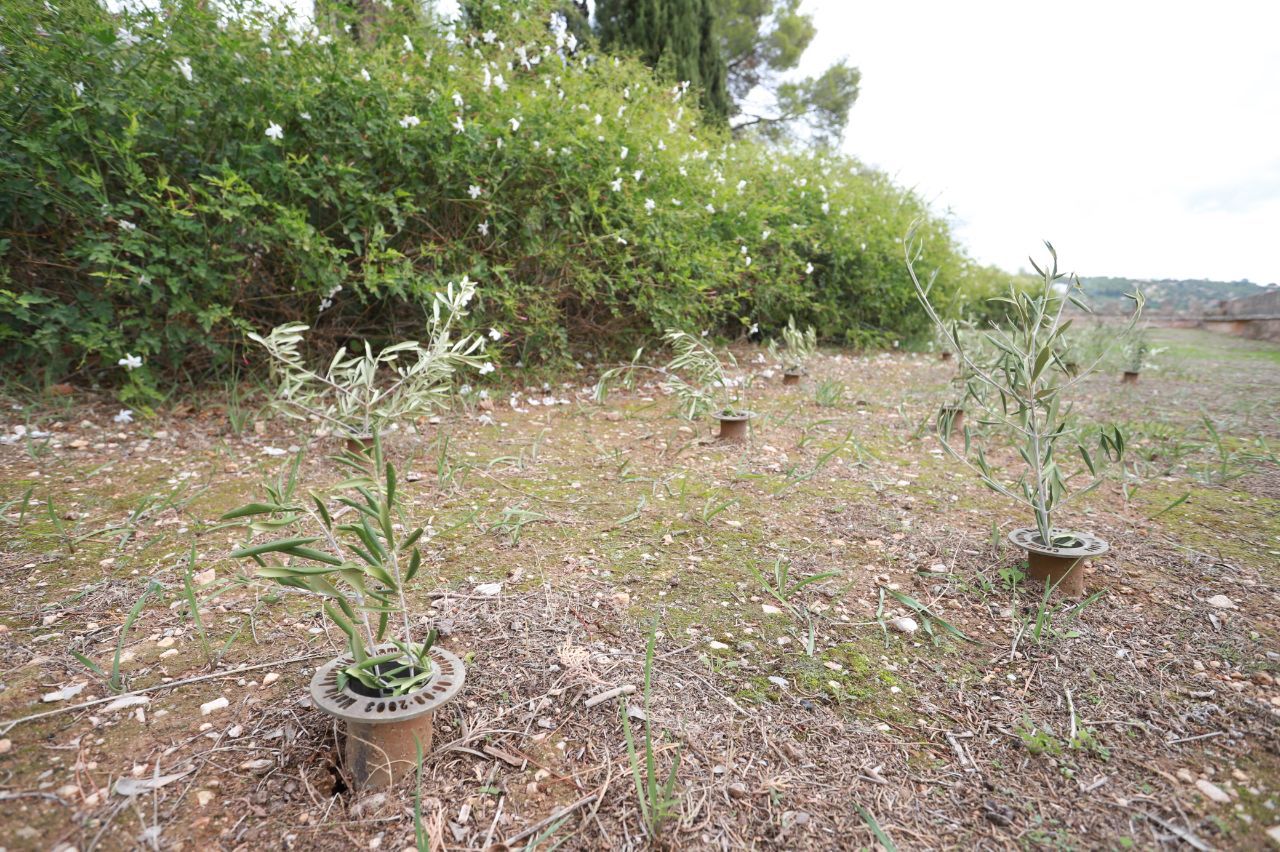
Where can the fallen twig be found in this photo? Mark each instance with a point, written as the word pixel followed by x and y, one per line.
pixel 543 823
pixel 5 727
pixel 624 689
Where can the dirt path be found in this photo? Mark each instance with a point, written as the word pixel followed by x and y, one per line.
pixel 798 724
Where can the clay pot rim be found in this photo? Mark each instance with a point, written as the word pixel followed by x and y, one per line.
pixel 734 418
pixel 1088 545
pixel 448 675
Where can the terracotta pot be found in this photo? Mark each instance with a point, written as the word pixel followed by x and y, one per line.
pixel 957 420
pixel 792 377
pixel 383 734
pixel 1130 377
pixel 733 427
pixel 1058 566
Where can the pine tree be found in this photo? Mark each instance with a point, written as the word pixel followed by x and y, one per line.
pixel 676 37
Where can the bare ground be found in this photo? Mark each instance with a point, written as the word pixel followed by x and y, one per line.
pixel 1116 728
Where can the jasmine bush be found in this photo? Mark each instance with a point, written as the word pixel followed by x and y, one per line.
pixel 173 178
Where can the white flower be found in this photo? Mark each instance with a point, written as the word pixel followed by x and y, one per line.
pixel 599 118
pixel 483 228
pixel 125 416
pixel 515 124
pixel 486 368
pixel 625 151
pixel 78 88
pixel 748 260
pixel 494 334
pixel 662 146
pixel 742 184
pixel 184 67
pixel 305 116
pixel 126 38
pixel 130 362
pixel 616 185
pixel 408 45
pixel 755 328
pixel 458 126
pixel 621 241
pixel 364 73
pixel 410 121
pixel 474 191
pixel 649 204
pixel 676 201
pixel 275 131
pixel 457 100
pixel 126 225
pixel 711 208
pixel 764 235
pixel 808 269
pixel 637 174
pixel 489 36
pixel 500 83
pixel 826 208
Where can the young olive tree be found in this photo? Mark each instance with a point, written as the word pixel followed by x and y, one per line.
pixel 799 346
pixel 704 387
pixel 359 394
pixel 358 569
pixel 707 388
pixel 1022 389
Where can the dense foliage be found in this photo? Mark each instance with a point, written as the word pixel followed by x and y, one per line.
pixel 175 178
pixel 678 38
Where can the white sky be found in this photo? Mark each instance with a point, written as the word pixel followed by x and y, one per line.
pixel 1141 138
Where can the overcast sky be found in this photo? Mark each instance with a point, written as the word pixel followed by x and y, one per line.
pixel 1141 138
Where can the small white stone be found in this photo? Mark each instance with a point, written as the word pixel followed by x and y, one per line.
pixel 214 705
pixel 770 609
pixel 270 678
pixel 905 625
pixel 717 646
pixel 1221 602
pixel 1212 791
pixel 778 681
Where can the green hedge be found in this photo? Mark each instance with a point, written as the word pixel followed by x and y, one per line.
pixel 150 206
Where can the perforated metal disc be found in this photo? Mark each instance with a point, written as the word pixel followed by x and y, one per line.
pixel 1089 545
pixel 448 675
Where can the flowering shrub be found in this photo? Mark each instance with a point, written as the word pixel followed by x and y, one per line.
pixel 176 177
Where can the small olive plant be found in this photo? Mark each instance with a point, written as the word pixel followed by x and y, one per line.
pixel 1021 390
pixel 1137 350
pixel 799 345
pixel 359 568
pixel 695 375
pixel 355 395
pixel 707 388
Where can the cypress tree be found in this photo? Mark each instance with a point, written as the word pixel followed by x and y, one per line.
pixel 676 37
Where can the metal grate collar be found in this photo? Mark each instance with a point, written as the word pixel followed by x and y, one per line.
pixel 448 675
pixel 1089 545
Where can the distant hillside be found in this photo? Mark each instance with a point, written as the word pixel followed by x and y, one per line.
pixel 1167 296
